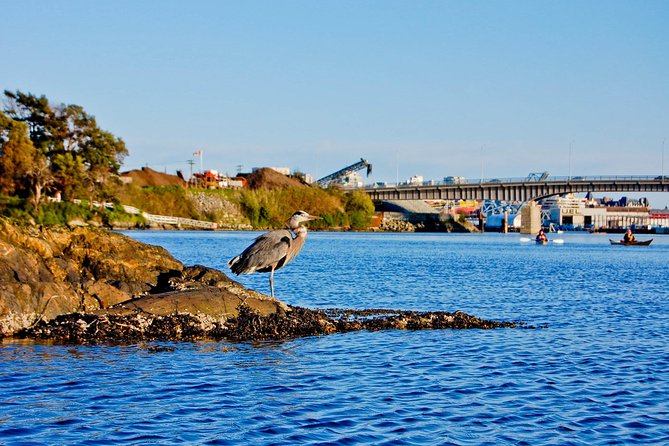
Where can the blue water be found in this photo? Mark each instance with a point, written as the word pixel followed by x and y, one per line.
pixel 598 374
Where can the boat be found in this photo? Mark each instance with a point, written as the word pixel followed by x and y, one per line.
pixel 634 243
pixel 541 242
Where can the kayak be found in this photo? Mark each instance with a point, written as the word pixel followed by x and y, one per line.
pixel 634 243
pixel 559 241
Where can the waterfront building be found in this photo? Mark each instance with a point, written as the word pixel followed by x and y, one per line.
pixel 573 212
pixel 659 219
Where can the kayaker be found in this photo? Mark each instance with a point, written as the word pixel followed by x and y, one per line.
pixel 541 236
pixel 629 237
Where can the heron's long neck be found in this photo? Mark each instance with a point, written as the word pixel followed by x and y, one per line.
pixel 297 243
pixel 300 232
pixel 295 226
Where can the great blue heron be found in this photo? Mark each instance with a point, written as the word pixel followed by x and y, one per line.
pixel 273 250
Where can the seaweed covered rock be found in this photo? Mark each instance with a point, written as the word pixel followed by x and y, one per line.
pixel 247 324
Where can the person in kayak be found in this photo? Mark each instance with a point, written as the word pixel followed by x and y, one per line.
pixel 628 237
pixel 541 236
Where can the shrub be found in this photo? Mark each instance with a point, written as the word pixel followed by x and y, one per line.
pixel 62 213
pixel 360 209
pixel 118 214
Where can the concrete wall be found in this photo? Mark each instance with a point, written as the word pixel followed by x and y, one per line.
pixel 530 218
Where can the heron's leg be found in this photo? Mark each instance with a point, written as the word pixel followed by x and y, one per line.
pixel 271 281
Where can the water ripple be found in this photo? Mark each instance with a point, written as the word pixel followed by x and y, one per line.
pixel 596 376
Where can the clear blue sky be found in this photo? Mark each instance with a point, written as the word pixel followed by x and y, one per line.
pixel 432 88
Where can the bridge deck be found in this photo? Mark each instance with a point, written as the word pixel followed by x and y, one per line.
pixel 519 189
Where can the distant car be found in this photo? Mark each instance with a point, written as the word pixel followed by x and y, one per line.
pixel 495 180
pixel 578 178
pixel 662 177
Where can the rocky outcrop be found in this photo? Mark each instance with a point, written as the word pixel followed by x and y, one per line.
pixel 216 208
pixel 90 285
pixel 45 273
pixel 397 226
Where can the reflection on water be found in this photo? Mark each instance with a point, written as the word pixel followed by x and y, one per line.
pixel 596 375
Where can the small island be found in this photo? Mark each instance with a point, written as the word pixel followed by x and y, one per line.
pixel 64 276
pixel 91 285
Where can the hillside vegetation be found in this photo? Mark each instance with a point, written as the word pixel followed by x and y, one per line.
pixel 260 208
pixel 58 167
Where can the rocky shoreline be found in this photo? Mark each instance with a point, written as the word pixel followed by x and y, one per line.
pixel 90 285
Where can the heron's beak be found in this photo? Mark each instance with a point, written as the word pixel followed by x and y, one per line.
pixel 313 217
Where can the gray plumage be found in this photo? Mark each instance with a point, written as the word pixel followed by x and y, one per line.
pixel 273 250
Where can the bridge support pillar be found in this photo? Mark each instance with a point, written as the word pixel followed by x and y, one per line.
pixel 530 216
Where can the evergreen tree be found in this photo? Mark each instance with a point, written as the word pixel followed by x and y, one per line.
pixel 78 156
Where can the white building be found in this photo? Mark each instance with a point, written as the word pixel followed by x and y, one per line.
pixel 580 212
pixel 416 179
pixel 353 180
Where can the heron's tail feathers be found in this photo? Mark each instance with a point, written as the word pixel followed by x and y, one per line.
pixel 235 265
pixel 240 265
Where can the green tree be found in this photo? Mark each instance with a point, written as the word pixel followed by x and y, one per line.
pixel 17 156
pixel 100 150
pixel 36 113
pixel 79 154
pixel 360 209
pixel 68 170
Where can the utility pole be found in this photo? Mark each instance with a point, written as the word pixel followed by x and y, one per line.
pixel 190 178
pixel 662 171
pixel 397 169
pixel 570 161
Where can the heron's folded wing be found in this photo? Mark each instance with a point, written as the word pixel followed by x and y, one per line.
pixel 267 250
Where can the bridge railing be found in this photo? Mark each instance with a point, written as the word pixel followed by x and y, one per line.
pixel 552 179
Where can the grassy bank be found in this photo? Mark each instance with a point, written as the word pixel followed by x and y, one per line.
pixel 256 209
pixel 337 209
pixel 259 208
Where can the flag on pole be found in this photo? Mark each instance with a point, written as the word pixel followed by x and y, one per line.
pixel 199 153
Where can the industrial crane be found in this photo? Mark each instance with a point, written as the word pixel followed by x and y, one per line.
pixel 325 181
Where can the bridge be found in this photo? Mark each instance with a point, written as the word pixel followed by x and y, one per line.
pixel 517 189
